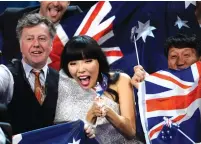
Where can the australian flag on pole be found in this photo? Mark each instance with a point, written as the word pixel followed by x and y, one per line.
pixel 67 133
pixel 170 106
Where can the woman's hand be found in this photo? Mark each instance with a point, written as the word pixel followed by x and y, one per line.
pixel 89 130
pixel 139 76
pixel 96 110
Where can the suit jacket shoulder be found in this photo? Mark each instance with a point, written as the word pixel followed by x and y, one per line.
pixel 71 11
pixel 16 13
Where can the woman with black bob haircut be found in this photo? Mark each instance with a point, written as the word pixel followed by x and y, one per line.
pixel 84 67
pixel 84 47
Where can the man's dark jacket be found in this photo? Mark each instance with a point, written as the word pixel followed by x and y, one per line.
pixel 24 111
pixel 8 23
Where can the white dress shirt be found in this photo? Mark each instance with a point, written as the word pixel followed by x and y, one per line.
pixel 7 80
pixel 2 137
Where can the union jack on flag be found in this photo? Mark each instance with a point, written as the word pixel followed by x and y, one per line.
pixel 100 22
pixel 177 96
pixel 92 25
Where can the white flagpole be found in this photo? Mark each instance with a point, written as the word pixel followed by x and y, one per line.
pixel 133 39
pixel 186 136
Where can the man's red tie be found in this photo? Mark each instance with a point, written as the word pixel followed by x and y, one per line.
pixel 37 87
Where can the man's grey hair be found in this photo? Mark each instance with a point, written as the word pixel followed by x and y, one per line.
pixel 31 20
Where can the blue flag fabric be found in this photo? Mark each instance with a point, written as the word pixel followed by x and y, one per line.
pixel 1 46
pixel 155 21
pixel 166 135
pixel 67 133
pixel 175 95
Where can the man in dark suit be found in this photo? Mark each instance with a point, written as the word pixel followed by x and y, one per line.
pixel 56 11
pixel 29 87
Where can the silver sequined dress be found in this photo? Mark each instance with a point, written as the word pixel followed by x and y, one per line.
pixel 73 104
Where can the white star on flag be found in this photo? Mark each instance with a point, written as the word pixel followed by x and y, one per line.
pixel 187 3
pixel 181 23
pixel 75 142
pixel 144 30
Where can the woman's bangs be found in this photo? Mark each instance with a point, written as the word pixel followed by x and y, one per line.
pixel 80 54
pixel 89 53
pixel 74 55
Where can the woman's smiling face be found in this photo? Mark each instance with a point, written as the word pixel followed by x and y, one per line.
pixel 85 72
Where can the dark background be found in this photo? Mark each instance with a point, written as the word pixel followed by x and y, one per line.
pixel 84 5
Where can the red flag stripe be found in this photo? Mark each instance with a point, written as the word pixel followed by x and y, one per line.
pixel 174 102
pixel 113 53
pixel 92 17
pixel 159 128
pixel 198 64
pixel 57 46
pixel 103 32
pixel 170 79
pixel 55 54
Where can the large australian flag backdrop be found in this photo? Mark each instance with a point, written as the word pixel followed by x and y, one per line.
pixel 110 23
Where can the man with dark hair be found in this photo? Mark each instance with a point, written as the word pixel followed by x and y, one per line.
pixel 198 11
pixel 181 51
pixel 56 11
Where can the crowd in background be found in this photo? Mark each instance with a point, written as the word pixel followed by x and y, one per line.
pixel 36 95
